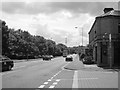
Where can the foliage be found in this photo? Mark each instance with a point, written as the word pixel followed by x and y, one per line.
pixel 19 44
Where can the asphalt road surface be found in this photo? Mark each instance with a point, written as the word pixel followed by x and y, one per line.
pixel 36 74
pixel 51 74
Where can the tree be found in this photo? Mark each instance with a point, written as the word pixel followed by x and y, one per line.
pixel 5 39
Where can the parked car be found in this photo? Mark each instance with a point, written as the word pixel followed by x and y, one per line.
pixel 88 60
pixel 5 63
pixel 69 58
pixel 47 57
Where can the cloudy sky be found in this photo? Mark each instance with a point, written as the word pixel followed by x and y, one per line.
pixel 54 20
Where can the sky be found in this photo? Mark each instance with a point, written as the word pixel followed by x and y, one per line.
pixel 56 20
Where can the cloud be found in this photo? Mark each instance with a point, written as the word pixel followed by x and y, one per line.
pixel 56 20
pixel 93 8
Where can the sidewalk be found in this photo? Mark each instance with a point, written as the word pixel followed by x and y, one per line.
pixel 92 76
pixel 76 64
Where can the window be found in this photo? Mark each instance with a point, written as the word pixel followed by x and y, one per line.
pixel 95 31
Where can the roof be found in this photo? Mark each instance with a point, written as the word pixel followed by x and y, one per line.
pixel 111 13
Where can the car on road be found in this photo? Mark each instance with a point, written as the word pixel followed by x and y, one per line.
pixel 47 57
pixel 88 60
pixel 5 63
pixel 69 58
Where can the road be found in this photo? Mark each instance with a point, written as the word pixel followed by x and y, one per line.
pixel 51 74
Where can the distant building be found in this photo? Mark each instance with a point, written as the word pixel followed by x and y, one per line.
pixel 104 37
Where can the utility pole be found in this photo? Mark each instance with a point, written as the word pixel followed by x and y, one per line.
pixel 81 33
pixel 66 41
pixel 110 50
pixel 82 36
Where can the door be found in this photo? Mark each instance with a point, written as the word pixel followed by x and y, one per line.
pixel 117 53
pixel 104 53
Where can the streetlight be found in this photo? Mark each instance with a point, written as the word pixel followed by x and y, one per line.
pixel 66 41
pixel 81 32
pixel 110 47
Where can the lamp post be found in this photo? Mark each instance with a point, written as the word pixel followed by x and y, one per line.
pixel 110 51
pixel 82 36
pixel 66 41
pixel 81 32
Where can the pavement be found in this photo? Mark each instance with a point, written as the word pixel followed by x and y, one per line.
pixel 78 65
pixel 92 76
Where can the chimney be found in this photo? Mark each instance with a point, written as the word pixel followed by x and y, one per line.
pixel 107 10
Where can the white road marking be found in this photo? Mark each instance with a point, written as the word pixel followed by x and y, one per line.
pixel 58 80
pixel 45 82
pixel 75 80
pixel 54 83
pixel 79 79
pixel 42 86
pixel 51 86
pixel 87 78
pixel 65 65
pixel 55 75
pixel 49 80
pixel 90 65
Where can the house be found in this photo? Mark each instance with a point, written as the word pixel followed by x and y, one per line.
pixel 104 38
pixel 0 37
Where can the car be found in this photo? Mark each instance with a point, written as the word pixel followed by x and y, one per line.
pixel 47 57
pixel 69 58
pixel 51 56
pixel 88 60
pixel 5 63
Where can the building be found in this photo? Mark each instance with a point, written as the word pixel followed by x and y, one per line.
pixel 0 37
pixel 104 37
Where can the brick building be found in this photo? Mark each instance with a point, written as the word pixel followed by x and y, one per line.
pixel 104 37
pixel 0 37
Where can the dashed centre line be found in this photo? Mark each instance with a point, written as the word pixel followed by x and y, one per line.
pixel 49 80
pixel 51 86
pixel 55 83
pixel 45 82
pixel 41 86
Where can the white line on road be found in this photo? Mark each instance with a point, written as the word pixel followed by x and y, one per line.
pixel 51 86
pixel 86 78
pixel 65 65
pixel 55 75
pixel 75 80
pixel 54 83
pixel 45 82
pixel 49 80
pixel 58 80
pixel 42 86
